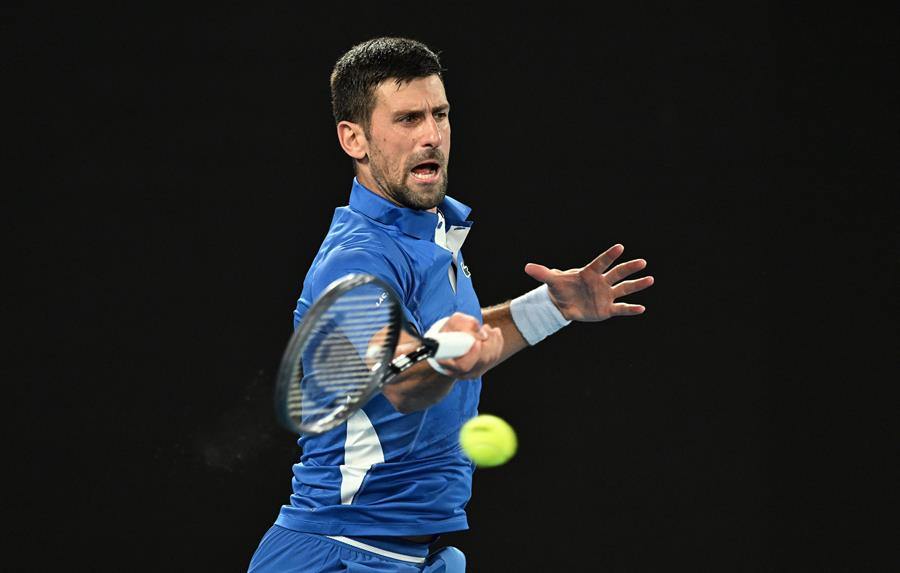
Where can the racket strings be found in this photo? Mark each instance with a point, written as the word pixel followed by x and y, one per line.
pixel 351 341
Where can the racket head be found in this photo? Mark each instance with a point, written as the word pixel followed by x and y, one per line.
pixel 337 358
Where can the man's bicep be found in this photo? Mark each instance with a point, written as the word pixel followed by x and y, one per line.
pixel 345 261
pixel 358 260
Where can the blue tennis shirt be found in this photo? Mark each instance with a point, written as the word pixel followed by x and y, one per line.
pixel 384 472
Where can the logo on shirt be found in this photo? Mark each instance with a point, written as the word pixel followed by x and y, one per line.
pixel 465 270
pixel 381 299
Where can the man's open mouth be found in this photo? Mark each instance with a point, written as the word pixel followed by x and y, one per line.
pixel 426 171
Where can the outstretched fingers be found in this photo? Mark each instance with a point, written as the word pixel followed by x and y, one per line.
pixel 538 272
pixel 606 258
pixel 625 288
pixel 625 309
pixel 623 270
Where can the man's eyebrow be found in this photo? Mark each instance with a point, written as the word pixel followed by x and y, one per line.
pixel 435 109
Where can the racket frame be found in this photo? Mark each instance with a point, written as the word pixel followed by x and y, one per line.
pixel 290 371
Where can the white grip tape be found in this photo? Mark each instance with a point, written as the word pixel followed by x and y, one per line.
pixel 535 315
pixel 450 344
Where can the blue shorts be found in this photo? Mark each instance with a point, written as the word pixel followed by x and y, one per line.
pixel 283 550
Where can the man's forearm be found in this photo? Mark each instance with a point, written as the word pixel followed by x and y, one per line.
pixel 420 386
pixel 499 316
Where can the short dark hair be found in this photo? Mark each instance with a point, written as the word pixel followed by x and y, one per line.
pixel 366 65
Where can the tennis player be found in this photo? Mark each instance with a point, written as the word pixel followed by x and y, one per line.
pixel 375 493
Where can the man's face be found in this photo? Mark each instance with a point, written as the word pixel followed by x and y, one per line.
pixel 409 143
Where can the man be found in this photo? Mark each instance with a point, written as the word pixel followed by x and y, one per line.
pixel 374 493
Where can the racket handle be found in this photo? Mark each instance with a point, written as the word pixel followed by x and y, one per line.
pixel 452 344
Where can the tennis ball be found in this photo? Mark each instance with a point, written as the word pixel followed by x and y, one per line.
pixel 488 440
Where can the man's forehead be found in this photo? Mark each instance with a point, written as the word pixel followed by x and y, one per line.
pixel 417 92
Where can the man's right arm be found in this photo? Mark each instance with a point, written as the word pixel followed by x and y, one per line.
pixel 422 386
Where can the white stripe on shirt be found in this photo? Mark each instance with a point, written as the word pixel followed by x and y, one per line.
pixel 362 449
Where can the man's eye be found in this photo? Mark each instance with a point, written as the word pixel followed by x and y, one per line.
pixel 441 115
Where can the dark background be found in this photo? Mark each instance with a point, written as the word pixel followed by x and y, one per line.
pixel 171 174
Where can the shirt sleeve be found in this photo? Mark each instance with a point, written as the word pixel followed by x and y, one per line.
pixel 365 259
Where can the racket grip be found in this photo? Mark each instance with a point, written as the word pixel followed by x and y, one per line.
pixel 452 344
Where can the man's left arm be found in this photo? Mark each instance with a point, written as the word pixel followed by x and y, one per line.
pixel 586 294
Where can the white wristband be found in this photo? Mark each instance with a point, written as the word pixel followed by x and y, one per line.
pixel 436 327
pixel 535 315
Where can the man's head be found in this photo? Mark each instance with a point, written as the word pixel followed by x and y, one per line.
pixel 392 118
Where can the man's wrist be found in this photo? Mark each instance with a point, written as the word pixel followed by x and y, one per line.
pixel 536 316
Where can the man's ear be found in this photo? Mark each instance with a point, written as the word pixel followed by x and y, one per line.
pixel 353 139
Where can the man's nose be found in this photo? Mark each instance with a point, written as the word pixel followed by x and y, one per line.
pixel 432 136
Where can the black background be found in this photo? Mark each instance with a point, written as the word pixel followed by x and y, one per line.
pixel 171 174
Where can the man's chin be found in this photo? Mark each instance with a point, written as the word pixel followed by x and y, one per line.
pixel 429 195
pixel 421 198
pixel 432 201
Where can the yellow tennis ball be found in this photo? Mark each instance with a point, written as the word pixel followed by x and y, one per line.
pixel 488 440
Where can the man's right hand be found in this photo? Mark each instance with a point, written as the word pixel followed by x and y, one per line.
pixel 485 352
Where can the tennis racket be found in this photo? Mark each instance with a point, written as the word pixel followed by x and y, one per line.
pixel 343 352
